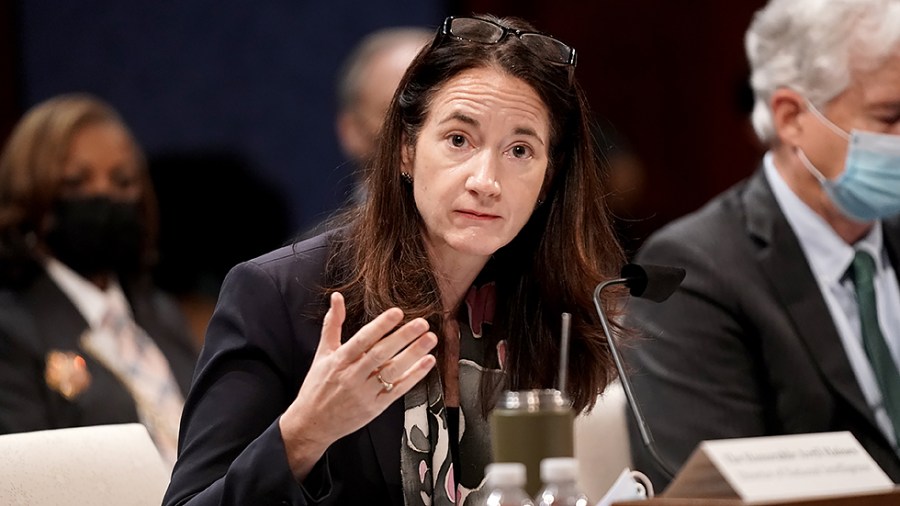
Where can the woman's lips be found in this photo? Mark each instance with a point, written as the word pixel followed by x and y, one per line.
pixel 476 215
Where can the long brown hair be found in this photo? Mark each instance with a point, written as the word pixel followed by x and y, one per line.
pixel 552 266
pixel 31 171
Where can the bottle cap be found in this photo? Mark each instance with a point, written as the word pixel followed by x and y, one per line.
pixel 506 474
pixel 559 469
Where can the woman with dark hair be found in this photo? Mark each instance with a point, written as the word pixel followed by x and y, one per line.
pixel 77 238
pixel 485 221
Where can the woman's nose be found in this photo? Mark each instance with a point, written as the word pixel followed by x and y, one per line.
pixel 483 179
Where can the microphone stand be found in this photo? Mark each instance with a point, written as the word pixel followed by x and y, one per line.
pixel 646 437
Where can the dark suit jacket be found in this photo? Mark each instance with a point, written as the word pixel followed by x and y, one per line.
pixel 259 346
pixel 746 347
pixel 39 319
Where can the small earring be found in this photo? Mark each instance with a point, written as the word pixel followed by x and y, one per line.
pixel 407 177
pixel 538 203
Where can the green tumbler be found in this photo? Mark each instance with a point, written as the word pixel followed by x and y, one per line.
pixel 531 425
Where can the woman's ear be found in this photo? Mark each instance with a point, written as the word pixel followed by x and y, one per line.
pixel 407 155
pixel 787 108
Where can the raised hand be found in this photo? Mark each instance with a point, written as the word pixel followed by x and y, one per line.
pixel 349 384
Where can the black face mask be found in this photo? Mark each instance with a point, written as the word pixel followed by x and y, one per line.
pixel 96 235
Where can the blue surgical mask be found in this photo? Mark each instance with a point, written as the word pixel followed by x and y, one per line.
pixel 869 187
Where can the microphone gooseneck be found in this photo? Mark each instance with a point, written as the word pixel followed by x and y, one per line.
pixel 656 283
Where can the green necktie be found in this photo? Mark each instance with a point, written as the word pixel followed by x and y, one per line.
pixel 873 340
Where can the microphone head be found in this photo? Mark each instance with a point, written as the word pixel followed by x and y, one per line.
pixel 654 282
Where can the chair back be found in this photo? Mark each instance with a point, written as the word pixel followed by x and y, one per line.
pixel 103 465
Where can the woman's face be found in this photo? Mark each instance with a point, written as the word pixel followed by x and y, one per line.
pixel 101 162
pixel 479 162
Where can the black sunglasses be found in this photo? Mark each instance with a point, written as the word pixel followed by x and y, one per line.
pixel 488 32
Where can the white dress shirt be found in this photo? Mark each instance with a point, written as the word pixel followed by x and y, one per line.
pixel 92 302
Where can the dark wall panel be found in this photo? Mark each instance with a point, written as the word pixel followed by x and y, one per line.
pixel 667 78
pixel 9 55
pixel 254 79
pixel 257 79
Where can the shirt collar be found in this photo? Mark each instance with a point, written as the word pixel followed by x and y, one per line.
pixel 828 255
pixel 92 302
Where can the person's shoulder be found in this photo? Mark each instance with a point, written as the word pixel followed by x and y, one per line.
pixel 295 274
pixel 19 298
pixel 308 250
pixel 723 215
pixel 17 321
pixel 303 262
pixel 716 231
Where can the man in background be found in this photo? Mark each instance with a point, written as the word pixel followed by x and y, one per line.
pixel 366 85
pixel 788 320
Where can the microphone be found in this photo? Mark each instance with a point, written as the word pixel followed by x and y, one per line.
pixel 656 283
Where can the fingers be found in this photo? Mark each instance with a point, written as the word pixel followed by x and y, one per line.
pixel 370 333
pixel 375 348
pixel 331 325
pixel 398 367
pixel 384 349
pixel 413 375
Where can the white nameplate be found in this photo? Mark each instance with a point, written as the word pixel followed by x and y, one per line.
pixel 778 468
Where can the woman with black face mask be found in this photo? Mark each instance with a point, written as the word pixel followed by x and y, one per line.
pixel 84 337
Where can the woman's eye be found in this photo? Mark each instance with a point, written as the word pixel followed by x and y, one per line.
pixel 457 141
pixel 520 151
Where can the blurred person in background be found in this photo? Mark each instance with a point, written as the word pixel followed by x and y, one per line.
pixel 85 339
pixel 366 83
pixel 788 321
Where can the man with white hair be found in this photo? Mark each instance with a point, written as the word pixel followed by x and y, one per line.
pixel 788 320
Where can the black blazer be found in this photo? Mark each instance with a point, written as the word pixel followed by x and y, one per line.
pixel 40 318
pixel 746 347
pixel 259 346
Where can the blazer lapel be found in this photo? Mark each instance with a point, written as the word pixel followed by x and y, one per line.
pixel 59 327
pixel 386 431
pixel 781 258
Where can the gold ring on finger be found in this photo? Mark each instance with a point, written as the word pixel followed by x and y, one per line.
pixel 387 385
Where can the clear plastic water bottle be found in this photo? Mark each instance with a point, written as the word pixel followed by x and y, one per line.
pixel 560 488
pixel 505 481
